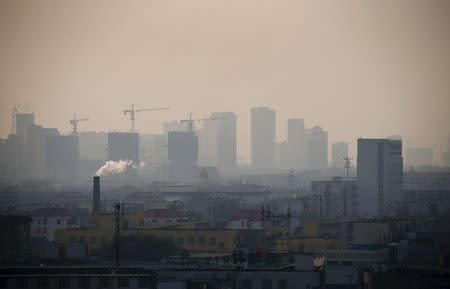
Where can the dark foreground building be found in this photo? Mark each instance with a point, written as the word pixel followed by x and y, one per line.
pixel 14 238
pixel 76 277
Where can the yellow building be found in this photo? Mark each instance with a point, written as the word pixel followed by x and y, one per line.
pixel 308 245
pixel 192 240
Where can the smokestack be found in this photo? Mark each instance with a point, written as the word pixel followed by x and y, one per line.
pixel 96 196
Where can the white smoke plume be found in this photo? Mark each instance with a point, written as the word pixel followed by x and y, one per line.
pixel 112 167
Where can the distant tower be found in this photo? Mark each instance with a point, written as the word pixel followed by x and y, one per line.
pixel 262 137
pixel 14 121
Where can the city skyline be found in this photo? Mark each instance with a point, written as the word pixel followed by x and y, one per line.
pixel 157 55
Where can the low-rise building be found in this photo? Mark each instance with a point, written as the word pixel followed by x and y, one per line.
pixel 76 277
pixel 47 220
pixel 161 217
pixel 14 238
pixel 250 219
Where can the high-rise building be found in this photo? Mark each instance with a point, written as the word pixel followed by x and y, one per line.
pixel 93 147
pixel 263 137
pixel 24 121
pixel 153 152
pixel 217 142
pixel 380 176
pixel 282 155
pixel 339 151
pixel 123 146
pixel 173 126
pixel 182 154
pixel 36 152
pixel 419 157
pixel 62 158
pixel 296 140
pixel 317 149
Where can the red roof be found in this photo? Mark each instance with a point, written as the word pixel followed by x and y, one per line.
pixel 162 213
pixel 50 212
pixel 254 215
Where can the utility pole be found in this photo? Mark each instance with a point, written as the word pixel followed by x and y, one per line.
pixel 117 236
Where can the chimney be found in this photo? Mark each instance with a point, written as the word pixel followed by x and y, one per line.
pixel 96 196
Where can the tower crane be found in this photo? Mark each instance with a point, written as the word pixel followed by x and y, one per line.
pixel 132 112
pixel 191 121
pixel 74 122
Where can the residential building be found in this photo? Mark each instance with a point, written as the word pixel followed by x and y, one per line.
pixel 62 158
pixel 262 137
pixel 14 238
pixel 182 154
pixel 46 221
pixel 161 217
pixel 153 152
pixel 317 149
pixel 247 219
pixel 123 146
pixel 336 197
pixel 217 142
pixel 380 177
pixel 296 140
pixel 419 157
pixel 339 151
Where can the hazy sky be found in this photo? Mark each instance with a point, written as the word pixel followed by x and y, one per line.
pixel 356 68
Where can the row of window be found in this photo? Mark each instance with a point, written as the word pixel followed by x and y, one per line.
pixel 83 282
pixel 180 241
pixel 265 284
pixel 201 241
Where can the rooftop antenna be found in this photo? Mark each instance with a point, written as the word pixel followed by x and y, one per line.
pixel 348 164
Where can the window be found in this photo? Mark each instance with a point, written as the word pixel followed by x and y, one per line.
pixel 266 284
pixel 43 283
pixel 201 241
pixel 247 284
pixel 22 283
pixel 212 241
pixel 144 283
pixel 282 284
pixel 105 283
pixel 83 283
pixel 191 241
pixel 64 283
pixel 123 283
